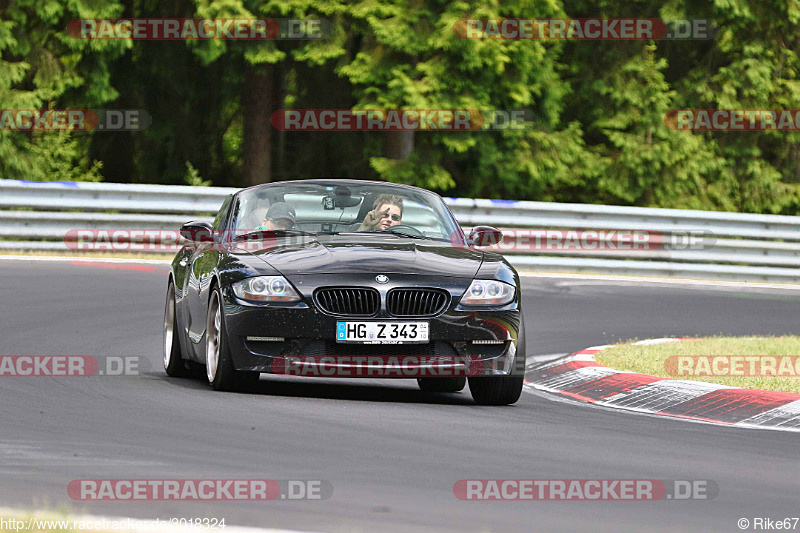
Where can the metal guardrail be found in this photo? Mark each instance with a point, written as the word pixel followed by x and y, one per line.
pixel 38 215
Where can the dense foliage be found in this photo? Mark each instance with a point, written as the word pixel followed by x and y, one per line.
pixel 599 134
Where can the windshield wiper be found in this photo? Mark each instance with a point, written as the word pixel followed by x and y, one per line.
pixel 267 233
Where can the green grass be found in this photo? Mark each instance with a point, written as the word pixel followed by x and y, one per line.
pixel 651 359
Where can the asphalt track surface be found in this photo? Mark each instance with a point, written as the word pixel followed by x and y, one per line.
pixel 391 452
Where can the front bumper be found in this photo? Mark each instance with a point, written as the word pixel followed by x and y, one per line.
pixel 299 339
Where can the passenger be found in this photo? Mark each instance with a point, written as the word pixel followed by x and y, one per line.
pixel 387 212
pixel 280 216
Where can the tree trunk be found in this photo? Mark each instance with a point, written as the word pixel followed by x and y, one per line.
pixel 398 144
pixel 259 101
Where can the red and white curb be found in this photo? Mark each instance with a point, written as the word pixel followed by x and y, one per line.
pixel 580 377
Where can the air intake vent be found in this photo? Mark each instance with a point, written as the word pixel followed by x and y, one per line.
pixel 348 301
pixel 416 302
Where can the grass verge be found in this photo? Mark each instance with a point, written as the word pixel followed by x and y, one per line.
pixel 766 363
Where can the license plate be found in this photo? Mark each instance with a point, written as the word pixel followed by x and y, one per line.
pixel 382 332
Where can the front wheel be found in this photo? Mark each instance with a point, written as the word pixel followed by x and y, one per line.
pixel 496 390
pixel 174 365
pixel 220 372
pixel 450 384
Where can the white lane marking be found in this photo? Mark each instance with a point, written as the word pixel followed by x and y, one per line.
pixel 24 454
pixel 648 342
pixel 632 280
pixel 536 360
pixel 601 347
pixel 85 258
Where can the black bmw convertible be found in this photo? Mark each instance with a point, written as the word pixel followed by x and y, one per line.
pixel 345 278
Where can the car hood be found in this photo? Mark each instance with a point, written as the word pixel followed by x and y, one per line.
pixel 382 255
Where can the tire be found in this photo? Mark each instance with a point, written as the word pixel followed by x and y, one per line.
pixel 221 374
pixel 502 390
pixel 496 390
pixel 174 363
pixel 451 384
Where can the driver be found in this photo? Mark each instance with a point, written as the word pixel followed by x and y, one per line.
pixel 280 216
pixel 387 212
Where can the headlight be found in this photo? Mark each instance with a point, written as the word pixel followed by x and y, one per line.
pixel 265 289
pixel 488 292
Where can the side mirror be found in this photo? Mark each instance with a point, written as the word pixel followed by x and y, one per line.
pixel 485 236
pixel 197 232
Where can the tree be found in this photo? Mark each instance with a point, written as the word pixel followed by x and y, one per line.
pixel 649 163
pixel 41 67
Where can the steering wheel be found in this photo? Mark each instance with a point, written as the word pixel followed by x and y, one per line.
pixel 405 229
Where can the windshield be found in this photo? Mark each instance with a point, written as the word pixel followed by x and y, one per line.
pixel 332 207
